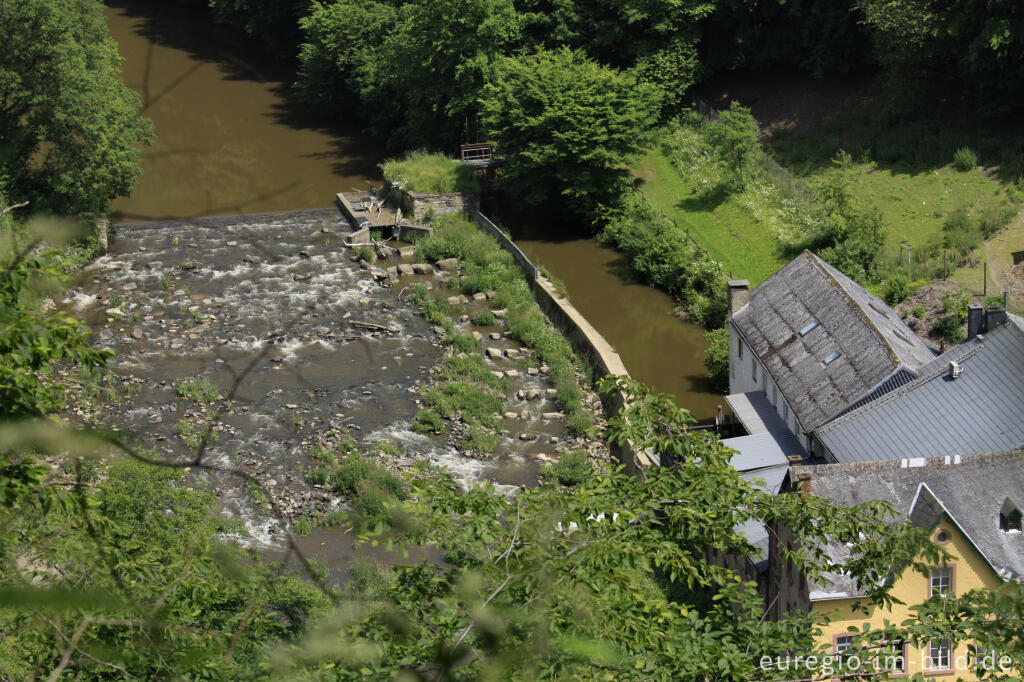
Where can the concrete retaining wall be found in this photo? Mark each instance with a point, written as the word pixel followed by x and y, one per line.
pixel 586 341
pixel 490 228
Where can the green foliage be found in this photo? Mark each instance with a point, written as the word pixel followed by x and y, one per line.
pixel 388 448
pixel 273 23
pixel 716 358
pixel 137 565
pixel 918 311
pixel 566 124
pixel 897 288
pixel 466 402
pixel 951 324
pixel 559 285
pixel 580 422
pixel 431 173
pixel 32 341
pixel 197 389
pixel 196 431
pixel 428 421
pixel 965 159
pixel 484 319
pixel 845 235
pixel 572 469
pixel 469 368
pixel 370 487
pixel 664 255
pixel 69 126
pixel 460 343
pixel 611 576
pixel 365 253
pixel 303 526
pixel 734 138
pixel 479 439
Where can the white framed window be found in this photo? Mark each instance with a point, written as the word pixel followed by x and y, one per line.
pixel 843 643
pixel 941 581
pixel 939 652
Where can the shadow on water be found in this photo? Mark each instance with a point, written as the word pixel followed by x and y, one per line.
pixel 231 135
pixel 638 320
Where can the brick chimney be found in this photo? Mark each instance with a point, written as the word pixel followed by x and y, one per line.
pixel 739 294
pixel 975 312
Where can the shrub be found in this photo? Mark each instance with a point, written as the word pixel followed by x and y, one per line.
pixel 197 389
pixel 896 290
pixel 480 440
pixel 460 343
pixel 369 578
pixel 716 358
pixel 365 253
pixel 388 448
pixel 580 422
pixel 964 159
pixel 428 421
pixel 994 301
pixel 471 368
pixel 918 311
pixel 571 470
pixel 302 526
pixel 465 401
pixel 318 476
pixel 484 319
pixel 194 431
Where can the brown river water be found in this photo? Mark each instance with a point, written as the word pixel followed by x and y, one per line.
pixel 199 297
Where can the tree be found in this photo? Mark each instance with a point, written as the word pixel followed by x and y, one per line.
pixel 716 358
pixel 69 128
pixel 273 22
pixel 566 125
pixel 734 139
pixel 31 340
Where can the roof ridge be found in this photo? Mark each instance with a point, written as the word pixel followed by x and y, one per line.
pixel 867 319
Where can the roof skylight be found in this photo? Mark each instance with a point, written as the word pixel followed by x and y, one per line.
pixel 810 325
pixel 830 359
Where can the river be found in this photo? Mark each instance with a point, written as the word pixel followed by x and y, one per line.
pixel 231 139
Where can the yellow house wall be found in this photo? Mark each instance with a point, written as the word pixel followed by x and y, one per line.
pixel 970 572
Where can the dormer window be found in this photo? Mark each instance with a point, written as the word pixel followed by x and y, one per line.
pixel 1010 518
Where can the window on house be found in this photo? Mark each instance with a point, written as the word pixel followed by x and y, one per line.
pixel 739 347
pixel 753 368
pixel 775 396
pixel 1010 517
pixel 941 581
pixel 843 643
pixel 810 325
pixel 938 654
pixel 830 359
pixel 785 411
pixel 893 657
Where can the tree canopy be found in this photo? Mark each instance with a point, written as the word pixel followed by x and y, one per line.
pixel 69 127
pixel 566 123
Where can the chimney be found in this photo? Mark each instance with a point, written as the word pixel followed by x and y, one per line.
pixel 994 317
pixel 739 294
pixel 975 313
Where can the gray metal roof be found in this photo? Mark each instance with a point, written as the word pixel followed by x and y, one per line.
pixel 867 338
pixel 762 460
pixel 981 411
pixel 970 489
pixel 763 450
pixel 755 412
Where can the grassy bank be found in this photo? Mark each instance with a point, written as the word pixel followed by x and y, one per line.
pixel 746 247
pixel 431 173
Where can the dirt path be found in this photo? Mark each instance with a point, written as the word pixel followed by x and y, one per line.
pixel 998 253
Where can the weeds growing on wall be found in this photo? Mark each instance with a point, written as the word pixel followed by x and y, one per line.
pixel 486 267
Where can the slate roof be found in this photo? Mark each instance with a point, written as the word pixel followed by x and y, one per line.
pixel 871 340
pixel 981 411
pixel 970 489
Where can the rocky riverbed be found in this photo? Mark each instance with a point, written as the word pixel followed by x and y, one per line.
pixel 304 343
